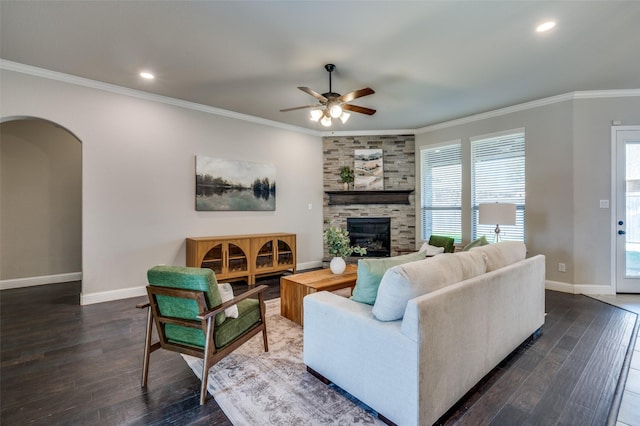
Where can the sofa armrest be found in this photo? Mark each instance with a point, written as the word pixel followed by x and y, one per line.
pixel 468 328
pixel 348 346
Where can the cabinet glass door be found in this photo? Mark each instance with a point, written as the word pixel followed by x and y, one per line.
pixel 237 259
pixel 265 256
pixel 285 254
pixel 213 259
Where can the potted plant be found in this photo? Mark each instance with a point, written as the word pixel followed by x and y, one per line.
pixel 339 247
pixel 346 175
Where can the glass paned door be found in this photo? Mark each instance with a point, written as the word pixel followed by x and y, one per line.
pixel 628 211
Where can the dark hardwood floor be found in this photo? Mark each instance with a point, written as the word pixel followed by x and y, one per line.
pixel 66 364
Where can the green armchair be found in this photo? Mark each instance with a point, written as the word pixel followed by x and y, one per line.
pixel 440 241
pixel 186 307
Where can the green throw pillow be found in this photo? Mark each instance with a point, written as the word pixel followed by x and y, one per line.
pixel 482 241
pixel 370 272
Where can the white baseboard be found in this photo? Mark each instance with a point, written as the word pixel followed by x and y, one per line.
pixel 108 296
pixel 593 289
pixel 309 265
pixel 127 293
pixel 578 288
pixel 42 280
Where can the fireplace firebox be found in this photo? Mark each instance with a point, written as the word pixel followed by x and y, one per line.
pixel 372 233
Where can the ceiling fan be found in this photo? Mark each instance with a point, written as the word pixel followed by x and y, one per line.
pixel 334 105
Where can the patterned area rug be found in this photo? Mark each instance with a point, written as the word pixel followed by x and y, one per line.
pixel 257 388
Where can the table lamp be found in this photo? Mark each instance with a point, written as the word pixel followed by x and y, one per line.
pixel 498 213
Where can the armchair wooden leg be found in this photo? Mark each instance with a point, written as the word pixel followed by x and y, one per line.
pixel 147 348
pixel 264 338
pixel 264 321
pixel 203 386
pixel 206 361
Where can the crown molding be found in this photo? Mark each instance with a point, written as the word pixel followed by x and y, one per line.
pixel 81 81
pixel 588 94
pixel 107 87
pixel 340 133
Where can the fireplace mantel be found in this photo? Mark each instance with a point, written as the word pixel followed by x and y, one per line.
pixel 369 197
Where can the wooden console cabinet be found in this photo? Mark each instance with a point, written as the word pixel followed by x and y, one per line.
pixel 243 256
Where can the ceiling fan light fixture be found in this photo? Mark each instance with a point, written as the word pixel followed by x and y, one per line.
pixel 316 114
pixel 330 106
pixel 335 111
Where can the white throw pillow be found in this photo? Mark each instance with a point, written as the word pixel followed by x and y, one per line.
pixel 226 292
pixel 404 282
pixel 431 250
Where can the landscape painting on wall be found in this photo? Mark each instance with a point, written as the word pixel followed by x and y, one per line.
pixel 227 185
pixel 369 174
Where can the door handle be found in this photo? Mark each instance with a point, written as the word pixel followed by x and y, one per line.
pixel 621 232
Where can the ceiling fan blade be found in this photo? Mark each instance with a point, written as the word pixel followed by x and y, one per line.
pixel 316 95
pixel 301 107
pixel 356 94
pixel 356 108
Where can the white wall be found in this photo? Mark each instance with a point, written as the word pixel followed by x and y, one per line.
pixel 568 170
pixel 138 174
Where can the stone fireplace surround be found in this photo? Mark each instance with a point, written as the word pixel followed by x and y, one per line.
pixel 399 174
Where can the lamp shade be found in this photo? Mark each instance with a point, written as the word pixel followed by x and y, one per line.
pixel 335 111
pixel 326 121
pixel 497 214
pixel 316 114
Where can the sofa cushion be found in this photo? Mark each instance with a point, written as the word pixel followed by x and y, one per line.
pixel 249 314
pixel 370 272
pixel 478 242
pixel 404 282
pixel 502 254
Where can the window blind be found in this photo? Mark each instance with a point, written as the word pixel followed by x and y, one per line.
pixel 441 182
pixel 498 175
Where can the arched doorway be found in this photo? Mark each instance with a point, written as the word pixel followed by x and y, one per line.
pixel 40 203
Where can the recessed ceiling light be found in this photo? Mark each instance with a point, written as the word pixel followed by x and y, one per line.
pixel 147 75
pixel 545 26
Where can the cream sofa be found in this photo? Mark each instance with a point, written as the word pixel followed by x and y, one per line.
pixel 461 315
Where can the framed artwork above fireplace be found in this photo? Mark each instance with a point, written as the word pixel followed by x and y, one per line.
pixel 369 170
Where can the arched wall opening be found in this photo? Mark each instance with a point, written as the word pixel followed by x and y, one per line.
pixel 40 203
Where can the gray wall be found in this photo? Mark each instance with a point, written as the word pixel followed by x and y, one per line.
pixel 593 227
pixel 41 195
pixel 138 177
pixel 568 170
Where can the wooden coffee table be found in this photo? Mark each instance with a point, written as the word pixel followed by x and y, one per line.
pixel 293 288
